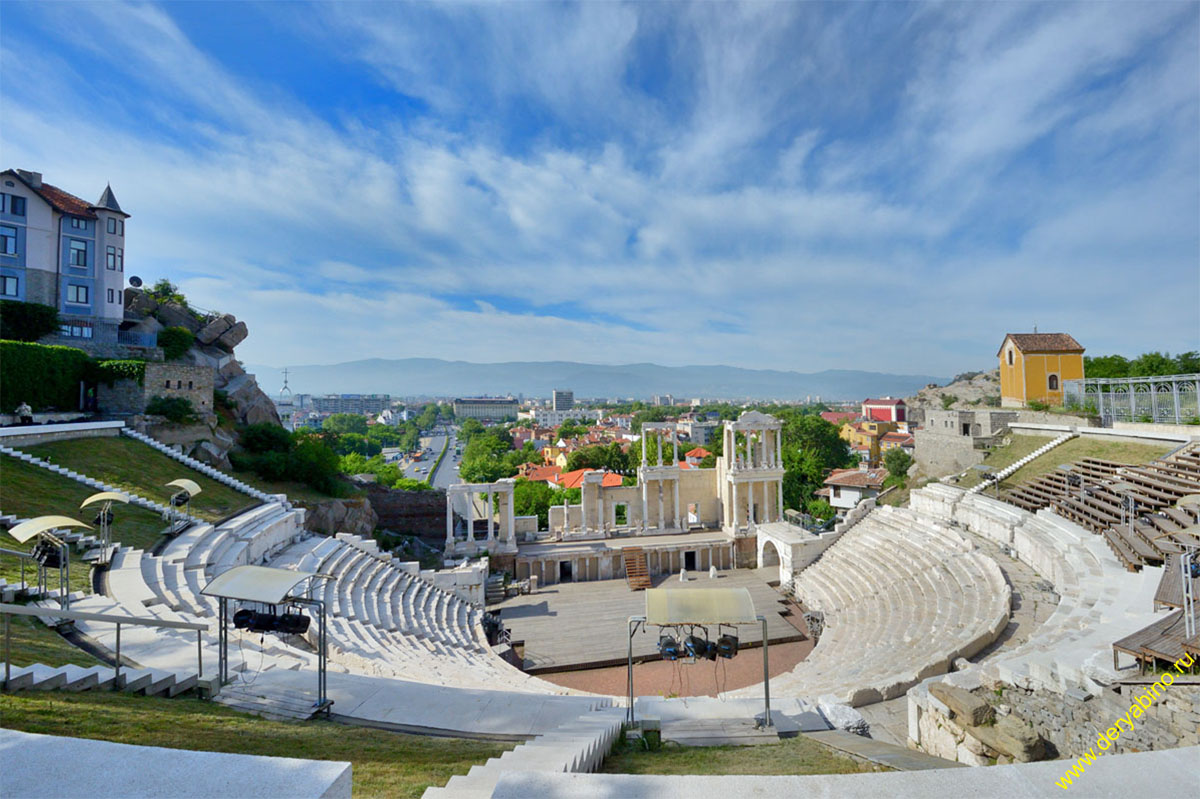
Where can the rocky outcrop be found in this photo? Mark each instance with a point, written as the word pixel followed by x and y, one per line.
pixel 340 516
pixel 205 441
pixel 967 392
pixel 420 513
pixel 253 406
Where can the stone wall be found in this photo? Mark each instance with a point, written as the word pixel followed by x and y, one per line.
pixel 193 383
pixel 937 454
pixel 355 516
pixel 1070 723
pixel 420 513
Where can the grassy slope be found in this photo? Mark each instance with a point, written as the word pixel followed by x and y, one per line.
pixel 141 469
pixel 1071 451
pixel 385 763
pixel 797 755
pixel 34 642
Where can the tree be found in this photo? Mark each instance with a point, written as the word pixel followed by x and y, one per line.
pixel 469 429
pixel 1106 366
pixel 346 423
pixel 175 342
pixel 265 437
pixel 1152 363
pixel 535 499
pixel 1187 363
pixel 26 321
pixel 165 291
pixel 897 462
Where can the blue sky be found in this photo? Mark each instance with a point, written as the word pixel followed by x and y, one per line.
pixel 793 186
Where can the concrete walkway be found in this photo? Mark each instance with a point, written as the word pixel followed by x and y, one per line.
pixel 885 754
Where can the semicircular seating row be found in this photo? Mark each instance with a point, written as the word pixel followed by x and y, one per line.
pixel 1100 601
pixel 381 620
pixel 902 598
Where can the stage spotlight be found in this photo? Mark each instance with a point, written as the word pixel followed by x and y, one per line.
pixel 668 647
pixel 699 647
pixel 180 499
pixel 47 554
pixel 242 619
pixel 727 646
pixel 292 624
pixel 103 518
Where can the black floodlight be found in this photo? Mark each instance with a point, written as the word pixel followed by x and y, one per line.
pixel 103 518
pixel 669 648
pixel 180 499
pixel 292 624
pixel 697 647
pixel 727 645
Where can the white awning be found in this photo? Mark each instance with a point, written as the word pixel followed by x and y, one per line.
pixel 105 496
pixel 28 529
pixel 187 485
pixel 255 584
pixel 699 606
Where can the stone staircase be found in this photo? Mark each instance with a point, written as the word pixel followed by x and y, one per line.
pixel 1011 469
pixel 637 575
pixel 577 746
pixel 147 682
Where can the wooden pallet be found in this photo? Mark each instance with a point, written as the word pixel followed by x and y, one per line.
pixel 637 575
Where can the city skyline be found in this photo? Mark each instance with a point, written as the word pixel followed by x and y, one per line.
pixel 884 187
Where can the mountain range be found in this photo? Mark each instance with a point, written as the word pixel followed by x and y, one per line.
pixel 433 377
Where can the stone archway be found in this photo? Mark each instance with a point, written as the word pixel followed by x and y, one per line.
pixel 768 553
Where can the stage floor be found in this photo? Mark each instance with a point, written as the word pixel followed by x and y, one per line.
pixel 585 625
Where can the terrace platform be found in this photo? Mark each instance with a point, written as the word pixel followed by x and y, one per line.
pixel 585 625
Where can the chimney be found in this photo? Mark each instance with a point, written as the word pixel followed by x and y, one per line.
pixel 34 179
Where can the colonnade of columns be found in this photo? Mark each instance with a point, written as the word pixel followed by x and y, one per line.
pixel 508 527
pixel 607 566
pixel 753 470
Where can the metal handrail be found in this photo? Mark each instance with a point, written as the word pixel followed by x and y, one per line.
pixel 7 610
pixel 23 556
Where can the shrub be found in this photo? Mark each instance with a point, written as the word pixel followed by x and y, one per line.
pixel 111 371
pixel 221 399
pixel 948 400
pixel 176 409
pixel 315 464
pixel 992 400
pixel 165 291
pixel 26 321
pixel 47 377
pixel 175 341
pixel 265 437
pixel 1037 405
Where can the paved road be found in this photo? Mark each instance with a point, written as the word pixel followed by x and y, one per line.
pixel 447 474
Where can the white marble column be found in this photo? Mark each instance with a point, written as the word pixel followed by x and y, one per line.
pixel 734 523
pixel 645 502
pixel 512 518
pixel 449 519
pixel 491 512
pixel 779 448
pixel 766 503
pixel 583 503
pixel 675 447
pixel 779 494
pixel 661 515
pixel 750 503
pixel 678 516
pixel 659 439
pixel 471 517
pixel 600 507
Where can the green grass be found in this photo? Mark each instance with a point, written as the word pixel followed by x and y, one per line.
pixel 1073 450
pixel 34 642
pixel 299 493
pixel 798 755
pixel 386 764
pixel 139 468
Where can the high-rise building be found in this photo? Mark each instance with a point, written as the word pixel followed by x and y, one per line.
pixel 493 409
pixel 562 400
pixel 352 403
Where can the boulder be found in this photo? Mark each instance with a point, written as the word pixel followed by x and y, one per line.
pixel 231 369
pixel 233 336
pixel 340 516
pixel 139 303
pixel 212 454
pixel 966 707
pixel 214 329
pixel 174 315
pixel 1011 737
pixel 841 716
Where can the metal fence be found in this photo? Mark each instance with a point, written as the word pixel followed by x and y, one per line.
pixel 1165 399
pixel 133 338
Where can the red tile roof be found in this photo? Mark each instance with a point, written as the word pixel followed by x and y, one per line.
pixel 883 402
pixel 1042 342
pixel 698 452
pixel 60 200
pixel 857 478
pixel 542 474
pixel 838 417
pixel 575 479
pixel 903 438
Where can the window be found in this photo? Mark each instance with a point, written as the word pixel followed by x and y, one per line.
pixel 8 240
pixel 77 294
pixel 8 286
pixel 1010 356
pixel 168 384
pixel 112 224
pixel 178 384
pixel 12 204
pixel 189 384
pixel 112 257
pixel 1053 381
pixel 77 329
pixel 120 227
pixel 111 295
pixel 78 224
pixel 78 255
pixel 120 260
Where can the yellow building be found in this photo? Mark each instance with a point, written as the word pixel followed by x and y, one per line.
pixel 864 437
pixel 1033 366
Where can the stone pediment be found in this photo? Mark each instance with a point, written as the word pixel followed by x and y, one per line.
pixel 756 420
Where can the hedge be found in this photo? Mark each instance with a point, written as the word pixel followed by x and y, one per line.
pixel 109 372
pixel 44 376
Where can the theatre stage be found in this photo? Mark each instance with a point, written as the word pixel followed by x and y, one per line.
pixel 585 625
